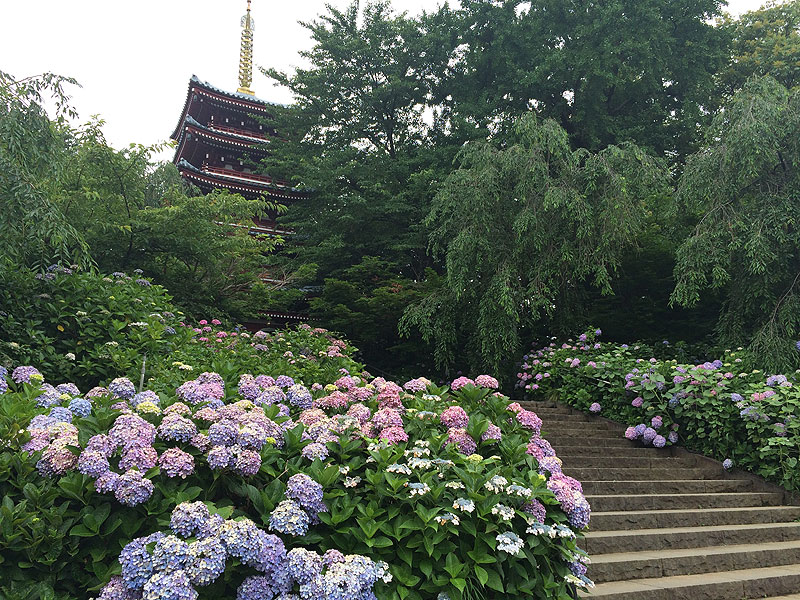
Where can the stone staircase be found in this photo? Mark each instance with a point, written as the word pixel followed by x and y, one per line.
pixel 670 525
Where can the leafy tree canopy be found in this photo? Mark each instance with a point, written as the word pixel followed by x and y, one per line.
pixel 765 42
pixel 608 72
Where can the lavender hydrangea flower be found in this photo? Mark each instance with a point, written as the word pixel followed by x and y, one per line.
pixel 284 381
pixel 220 457
pixel 649 435
pixel 176 463
pixel 23 374
pixel 727 464
pixel 492 434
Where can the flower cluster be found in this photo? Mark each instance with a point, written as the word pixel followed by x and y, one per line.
pixel 166 566
pixel 300 508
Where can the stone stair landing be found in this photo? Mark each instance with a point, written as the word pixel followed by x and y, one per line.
pixel 671 525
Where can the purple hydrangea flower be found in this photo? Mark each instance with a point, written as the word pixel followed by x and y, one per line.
pixel 122 387
pixel 132 488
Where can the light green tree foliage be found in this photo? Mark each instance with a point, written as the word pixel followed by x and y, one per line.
pixel 743 187
pixel 33 231
pixel 765 42
pixel 520 227
pixel 135 215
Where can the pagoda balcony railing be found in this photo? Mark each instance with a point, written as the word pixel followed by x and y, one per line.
pixel 241 132
pixel 245 176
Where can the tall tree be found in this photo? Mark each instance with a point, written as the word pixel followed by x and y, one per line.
pixel 520 227
pixel 358 137
pixel 743 188
pixel 625 70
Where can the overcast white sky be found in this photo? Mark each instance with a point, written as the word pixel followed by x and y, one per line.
pixel 134 59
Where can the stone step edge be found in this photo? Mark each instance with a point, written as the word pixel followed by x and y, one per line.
pixel 638 588
pixel 696 495
pixel 667 511
pixel 664 531
pixel 672 553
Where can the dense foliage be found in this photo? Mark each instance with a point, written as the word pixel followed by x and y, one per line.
pixel 743 189
pixel 452 487
pixel 492 224
pixel 725 408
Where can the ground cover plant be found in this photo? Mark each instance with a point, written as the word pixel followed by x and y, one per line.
pixel 452 487
pixel 723 408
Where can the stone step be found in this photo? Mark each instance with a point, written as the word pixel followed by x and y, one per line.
pixel 692 561
pixel 582 431
pixel 617 472
pixel 573 427
pixel 728 585
pixel 694 517
pixel 629 462
pixel 602 542
pixel 628 450
pixel 575 446
pixel 611 442
pixel 619 502
pixel 532 404
pixel 669 486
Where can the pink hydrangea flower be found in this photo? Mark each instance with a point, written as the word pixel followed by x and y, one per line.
pixel 460 383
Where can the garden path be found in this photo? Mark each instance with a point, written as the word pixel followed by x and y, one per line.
pixel 671 525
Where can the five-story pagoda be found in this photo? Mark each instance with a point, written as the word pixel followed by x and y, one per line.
pixel 222 135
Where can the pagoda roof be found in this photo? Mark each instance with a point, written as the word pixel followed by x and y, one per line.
pixel 238 182
pixel 236 100
pixel 230 138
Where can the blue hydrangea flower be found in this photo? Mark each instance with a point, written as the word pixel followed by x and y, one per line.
pixel 289 518
pixel 304 565
pixel 80 407
pixel 299 396
pixel 136 561
pixel 170 554
pixel 189 518
pixel 169 585
pixel 207 559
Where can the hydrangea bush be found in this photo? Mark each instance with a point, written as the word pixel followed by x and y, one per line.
pixel 722 408
pixel 454 488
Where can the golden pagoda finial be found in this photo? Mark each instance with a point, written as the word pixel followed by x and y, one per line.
pixel 246 53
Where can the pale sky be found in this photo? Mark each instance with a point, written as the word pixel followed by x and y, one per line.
pixel 134 59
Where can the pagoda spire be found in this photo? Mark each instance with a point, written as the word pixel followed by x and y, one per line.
pixel 246 53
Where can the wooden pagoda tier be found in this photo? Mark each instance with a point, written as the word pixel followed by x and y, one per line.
pixel 221 136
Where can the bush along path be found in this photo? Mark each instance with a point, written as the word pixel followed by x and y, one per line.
pixel 671 525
